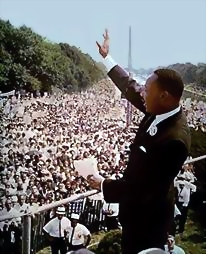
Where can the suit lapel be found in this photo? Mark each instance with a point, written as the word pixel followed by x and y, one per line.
pixel 165 124
pixel 143 135
pixel 144 125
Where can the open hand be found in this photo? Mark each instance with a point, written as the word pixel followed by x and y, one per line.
pixel 104 48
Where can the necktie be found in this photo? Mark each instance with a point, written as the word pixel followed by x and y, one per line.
pixel 72 235
pixel 60 229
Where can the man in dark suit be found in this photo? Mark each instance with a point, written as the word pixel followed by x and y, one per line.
pixel 145 193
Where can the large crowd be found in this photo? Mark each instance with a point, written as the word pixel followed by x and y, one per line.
pixel 41 137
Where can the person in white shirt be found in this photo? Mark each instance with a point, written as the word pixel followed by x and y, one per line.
pixel 56 230
pixel 184 191
pixel 78 236
pixel 111 211
pixel 171 248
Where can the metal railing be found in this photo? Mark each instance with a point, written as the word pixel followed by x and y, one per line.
pixel 34 219
pixel 50 206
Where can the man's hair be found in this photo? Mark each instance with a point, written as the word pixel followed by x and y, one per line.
pixel 170 81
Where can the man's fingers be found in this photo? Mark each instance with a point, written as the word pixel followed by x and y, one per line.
pixel 107 34
pixel 98 45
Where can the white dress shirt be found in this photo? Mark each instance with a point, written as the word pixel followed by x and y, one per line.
pixel 162 117
pixel 187 175
pixel 53 226
pixel 184 193
pixel 80 231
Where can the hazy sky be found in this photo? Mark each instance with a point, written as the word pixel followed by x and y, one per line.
pixel 163 31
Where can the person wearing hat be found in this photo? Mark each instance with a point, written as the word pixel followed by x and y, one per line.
pixel 78 236
pixel 56 229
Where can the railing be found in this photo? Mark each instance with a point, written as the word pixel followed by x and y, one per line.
pixel 34 220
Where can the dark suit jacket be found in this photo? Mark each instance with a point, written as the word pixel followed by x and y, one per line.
pixel 143 192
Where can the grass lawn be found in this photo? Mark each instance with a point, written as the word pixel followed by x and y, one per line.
pixel 192 241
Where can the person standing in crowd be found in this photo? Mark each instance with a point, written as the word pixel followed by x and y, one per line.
pixel 157 154
pixel 185 189
pixel 78 236
pixel 171 248
pixel 56 230
pixel 111 212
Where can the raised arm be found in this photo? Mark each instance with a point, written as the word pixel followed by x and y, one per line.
pixel 130 88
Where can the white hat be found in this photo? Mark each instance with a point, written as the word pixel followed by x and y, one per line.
pixel 60 210
pixel 152 251
pixel 75 216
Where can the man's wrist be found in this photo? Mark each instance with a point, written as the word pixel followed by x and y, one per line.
pixel 109 63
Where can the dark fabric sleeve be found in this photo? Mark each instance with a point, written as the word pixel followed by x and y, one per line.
pixel 130 88
pixel 163 165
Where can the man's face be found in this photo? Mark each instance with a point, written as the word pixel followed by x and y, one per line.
pixel 74 222
pixel 60 216
pixel 8 204
pixel 152 94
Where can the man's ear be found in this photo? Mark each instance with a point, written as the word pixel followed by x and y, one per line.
pixel 164 95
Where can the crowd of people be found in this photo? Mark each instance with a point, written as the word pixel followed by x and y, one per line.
pixel 41 137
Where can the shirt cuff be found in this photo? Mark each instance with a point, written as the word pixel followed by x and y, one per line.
pixel 109 63
pixel 101 186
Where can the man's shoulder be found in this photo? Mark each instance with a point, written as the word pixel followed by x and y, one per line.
pixel 177 129
pixel 52 220
pixel 178 250
pixel 66 219
pixel 181 131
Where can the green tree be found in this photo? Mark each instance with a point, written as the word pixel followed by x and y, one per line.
pixel 30 62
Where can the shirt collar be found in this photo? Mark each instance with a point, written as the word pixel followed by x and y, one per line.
pixel 164 116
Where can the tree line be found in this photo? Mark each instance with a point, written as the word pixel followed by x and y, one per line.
pixel 191 73
pixel 32 63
